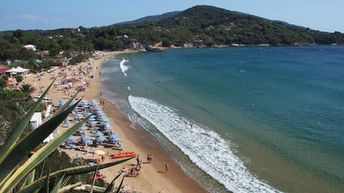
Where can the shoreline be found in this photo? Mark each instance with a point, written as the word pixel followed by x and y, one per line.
pixel 153 177
pixel 175 180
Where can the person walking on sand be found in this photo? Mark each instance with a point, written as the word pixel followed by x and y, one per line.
pixel 138 160
pixel 149 157
pixel 166 167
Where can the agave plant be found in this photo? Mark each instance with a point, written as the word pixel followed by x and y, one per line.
pixel 27 89
pixel 19 157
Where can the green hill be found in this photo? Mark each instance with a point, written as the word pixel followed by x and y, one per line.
pixel 211 25
pixel 199 26
pixel 150 18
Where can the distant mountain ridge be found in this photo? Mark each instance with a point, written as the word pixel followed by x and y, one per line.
pixel 150 18
pixel 198 26
pixel 211 25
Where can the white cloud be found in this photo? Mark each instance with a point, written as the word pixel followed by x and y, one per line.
pixel 29 18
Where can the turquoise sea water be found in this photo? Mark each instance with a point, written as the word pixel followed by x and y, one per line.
pixel 255 119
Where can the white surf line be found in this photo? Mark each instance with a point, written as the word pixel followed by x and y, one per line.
pixel 123 67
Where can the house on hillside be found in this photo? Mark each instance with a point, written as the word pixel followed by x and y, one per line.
pixel 3 69
pixel 76 30
pixel 30 47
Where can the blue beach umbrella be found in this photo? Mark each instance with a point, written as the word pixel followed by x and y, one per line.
pixel 107 128
pixel 98 133
pixel 113 138
pixel 100 139
pixel 94 131
pixel 92 123
pixel 71 139
pixel 83 137
pixel 87 141
pixel 70 146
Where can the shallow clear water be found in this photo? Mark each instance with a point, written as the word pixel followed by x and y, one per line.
pixel 256 119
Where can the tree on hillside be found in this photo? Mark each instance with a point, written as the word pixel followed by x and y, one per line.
pixel 3 83
pixel 19 78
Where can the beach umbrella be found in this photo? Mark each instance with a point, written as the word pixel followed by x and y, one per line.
pixel 113 138
pixel 69 142
pixel 98 133
pixel 83 128
pixel 107 128
pixel 83 137
pixel 94 131
pixel 100 139
pixel 94 102
pixel 87 141
pixel 70 146
pixel 99 152
pixel 105 124
pixel 71 139
pixel 92 123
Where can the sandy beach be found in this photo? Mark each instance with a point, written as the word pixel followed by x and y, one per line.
pixel 153 177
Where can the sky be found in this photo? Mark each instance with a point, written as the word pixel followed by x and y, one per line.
pixel 324 15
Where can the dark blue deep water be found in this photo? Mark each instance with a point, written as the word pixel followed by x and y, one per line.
pixel 278 111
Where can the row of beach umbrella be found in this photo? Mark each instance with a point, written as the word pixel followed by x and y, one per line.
pixel 97 117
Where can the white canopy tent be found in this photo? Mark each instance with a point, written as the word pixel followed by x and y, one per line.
pixel 18 70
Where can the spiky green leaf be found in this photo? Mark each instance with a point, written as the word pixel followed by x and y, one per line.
pixel 18 130
pixel 57 186
pixel 47 180
pixel 120 186
pixel 39 156
pixel 64 106
pixel 68 172
pixel 94 178
pixel 21 150
pixel 109 189
pixel 29 179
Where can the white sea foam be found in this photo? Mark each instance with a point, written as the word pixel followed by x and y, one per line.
pixel 123 67
pixel 129 89
pixel 203 146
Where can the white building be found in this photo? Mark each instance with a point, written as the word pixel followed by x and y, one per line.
pixel 36 120
pixel 30 47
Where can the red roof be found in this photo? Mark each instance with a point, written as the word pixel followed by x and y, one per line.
pixel 4 68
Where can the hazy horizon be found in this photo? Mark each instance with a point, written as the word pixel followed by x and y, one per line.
pixel 39 14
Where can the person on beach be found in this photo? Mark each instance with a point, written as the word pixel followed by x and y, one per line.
pixel 149 157
pixel 138 160
pixel 166 167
